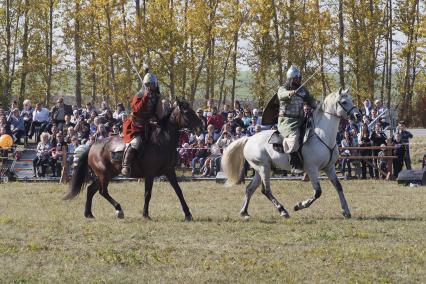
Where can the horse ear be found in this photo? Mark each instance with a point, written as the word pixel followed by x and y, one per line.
pixel 340 91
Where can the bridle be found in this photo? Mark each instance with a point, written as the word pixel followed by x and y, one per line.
pixel 348 113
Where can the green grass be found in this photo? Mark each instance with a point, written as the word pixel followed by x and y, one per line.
pixel 45 239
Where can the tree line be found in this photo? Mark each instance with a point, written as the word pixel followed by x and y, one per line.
pixel 195 47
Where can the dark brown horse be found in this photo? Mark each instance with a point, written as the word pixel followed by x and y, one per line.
pixel 158 158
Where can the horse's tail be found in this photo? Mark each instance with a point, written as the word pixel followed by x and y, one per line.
pixel 79 176
pixel 233 160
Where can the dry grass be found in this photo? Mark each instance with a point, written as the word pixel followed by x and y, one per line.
pixel 417 150
pixel 44 239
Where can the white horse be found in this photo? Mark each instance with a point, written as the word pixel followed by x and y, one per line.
pixel 319 153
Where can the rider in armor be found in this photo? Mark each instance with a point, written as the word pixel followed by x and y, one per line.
pixel 146 104
pixel 292 96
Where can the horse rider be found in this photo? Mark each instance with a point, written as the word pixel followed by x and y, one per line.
pixel 292 97
pixel 145 105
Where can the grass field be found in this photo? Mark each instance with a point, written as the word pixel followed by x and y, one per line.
pixel 45 239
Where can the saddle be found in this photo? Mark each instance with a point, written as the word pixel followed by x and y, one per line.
pixel 276 139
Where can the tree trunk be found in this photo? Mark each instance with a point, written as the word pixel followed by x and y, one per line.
pixel 390 56
pixel 341 46
pixel 7 83
pixel 291 25
pixel 111 53
pixel 24 54
pixel 222 83
pixel 77 47
pixel 50 56
pixel 278 45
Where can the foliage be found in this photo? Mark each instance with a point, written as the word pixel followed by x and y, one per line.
pixel 195 47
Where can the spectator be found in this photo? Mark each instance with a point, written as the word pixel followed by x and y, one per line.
pixel 366 110
pixel 101 132
pixel 42 159
pixel 351 125
pixel 382 163
pixel 208 111
pixel 94 125
pixel 27 115
pixel 87 112
pixel 237 108
pixel 119 111
pixel 104 109
pixel 200 155
pixel 364 141
pixel 258 128
pixel 238 132
pixel 4 123
pixel 70 133
pixel 82 130
pixel 382 112
pixel 56 159
pixel 246 118
pixel 216 120
pixel 210 137
pixel 378 137
pixel 251 130
pixel 225 111
pixel 59 111
pixel 347 141
pixel 40 120
pixel 109 120
pixel 67 123
pixel 405 138
pixel 256 113
pixel 202 118
pixel 16 123
pixel 400 152
pixel 13 106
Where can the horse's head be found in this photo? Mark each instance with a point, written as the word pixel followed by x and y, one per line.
pixel 185 117
pixel 340 104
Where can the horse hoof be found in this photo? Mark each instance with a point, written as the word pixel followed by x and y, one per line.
pixel 245 216
pixel 89 215
pixel 188 218
pixel 298 207
pixel 285 214
pixel 146 217
pixel 119 214
pixel 347 215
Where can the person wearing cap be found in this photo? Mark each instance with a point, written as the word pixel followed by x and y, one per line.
pixel 145 105
pixel 292 96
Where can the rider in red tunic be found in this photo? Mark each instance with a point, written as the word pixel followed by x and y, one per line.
pixel 145 105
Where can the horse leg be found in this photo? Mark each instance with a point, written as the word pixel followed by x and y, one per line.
pixel 104 192
pixel 173 181
pixel 149 181
pixel 265 174
pixel 91 191
pixel 250 189
pixel 331 173
pixel 313 176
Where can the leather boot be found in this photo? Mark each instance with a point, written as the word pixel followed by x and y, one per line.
pixel 129 155
pixel 296 164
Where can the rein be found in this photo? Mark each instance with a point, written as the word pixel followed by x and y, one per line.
pixel 321 108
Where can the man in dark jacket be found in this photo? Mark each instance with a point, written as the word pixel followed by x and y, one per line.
pixel 59 111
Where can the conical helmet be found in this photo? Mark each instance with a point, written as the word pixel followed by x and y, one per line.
pixel 293 72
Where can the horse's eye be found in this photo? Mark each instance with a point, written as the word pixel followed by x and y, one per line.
pixel 344 102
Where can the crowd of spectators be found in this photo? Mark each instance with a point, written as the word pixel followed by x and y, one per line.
pixel 72 129
pixel 371 131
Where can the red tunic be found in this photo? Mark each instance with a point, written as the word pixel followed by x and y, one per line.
pixel 131 128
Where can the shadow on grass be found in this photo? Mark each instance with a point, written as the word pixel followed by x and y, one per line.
pixel 382 218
